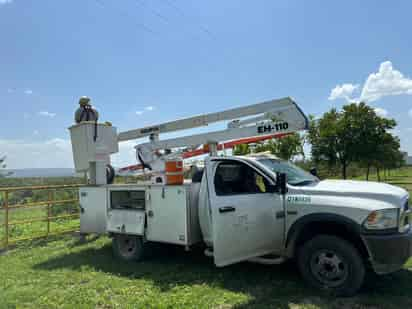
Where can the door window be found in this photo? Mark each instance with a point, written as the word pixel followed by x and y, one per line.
pixel 127 199
pixel 234 177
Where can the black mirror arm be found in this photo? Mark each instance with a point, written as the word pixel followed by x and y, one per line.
pixel 281 183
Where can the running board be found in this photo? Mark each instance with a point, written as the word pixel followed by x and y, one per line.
pixel 259 260
pixel 267 261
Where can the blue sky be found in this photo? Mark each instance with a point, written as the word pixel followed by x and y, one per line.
pixel 144 62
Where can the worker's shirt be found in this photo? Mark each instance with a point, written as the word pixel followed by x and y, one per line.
pixel 260 183
pixel 85 114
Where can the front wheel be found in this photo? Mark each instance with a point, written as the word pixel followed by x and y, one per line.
pixel 128 247
pixel 333 264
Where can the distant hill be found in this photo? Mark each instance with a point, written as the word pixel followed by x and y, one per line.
pixel 42 172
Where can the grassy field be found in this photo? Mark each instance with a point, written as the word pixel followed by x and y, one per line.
pixel 64 273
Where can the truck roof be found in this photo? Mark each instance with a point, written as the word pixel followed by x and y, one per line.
pixel 260 155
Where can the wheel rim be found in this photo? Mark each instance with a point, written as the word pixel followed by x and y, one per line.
pixel 127 246
pixel 329 268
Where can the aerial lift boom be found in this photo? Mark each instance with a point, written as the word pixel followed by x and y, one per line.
pixel 266 120
pixel 259 121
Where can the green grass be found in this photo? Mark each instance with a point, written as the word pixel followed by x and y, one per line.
pixel 62 273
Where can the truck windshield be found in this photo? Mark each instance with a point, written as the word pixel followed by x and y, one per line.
pixel 295 175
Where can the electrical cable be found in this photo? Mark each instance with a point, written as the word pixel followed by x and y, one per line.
pixel 182 13
pixel 123 13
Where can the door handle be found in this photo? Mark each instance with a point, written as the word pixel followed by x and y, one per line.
pixel 226 209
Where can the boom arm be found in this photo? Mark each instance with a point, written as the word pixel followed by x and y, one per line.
pixel 273 106
pixel 270 118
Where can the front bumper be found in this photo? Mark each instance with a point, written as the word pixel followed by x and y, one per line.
pixel 388 253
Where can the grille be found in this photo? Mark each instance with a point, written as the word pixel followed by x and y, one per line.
pixel 405 208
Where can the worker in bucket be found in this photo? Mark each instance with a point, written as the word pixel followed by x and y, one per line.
pixel 85 112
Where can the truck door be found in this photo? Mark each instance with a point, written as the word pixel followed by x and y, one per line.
pixel 244 213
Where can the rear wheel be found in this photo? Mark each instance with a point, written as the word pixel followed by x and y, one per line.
pixel 128 247
pixel 333 264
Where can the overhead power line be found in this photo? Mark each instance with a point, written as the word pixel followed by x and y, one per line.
pixel 165 19
pixel 125 14
pixel 183 14
pixel 153 11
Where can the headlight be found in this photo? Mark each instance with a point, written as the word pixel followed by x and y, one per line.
pixel 382 219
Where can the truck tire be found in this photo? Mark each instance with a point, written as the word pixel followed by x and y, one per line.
pixel 333 264
pixel 128 247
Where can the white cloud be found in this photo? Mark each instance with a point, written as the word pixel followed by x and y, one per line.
pixel 36 132
pixel 54 153
pixel 343 91
pixel 28 91
pixel 386 82
pixel 47 114
pixel 381 112
pixel 146 109
pixel 5 1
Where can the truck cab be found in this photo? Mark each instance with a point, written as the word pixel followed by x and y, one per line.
pixel 335 229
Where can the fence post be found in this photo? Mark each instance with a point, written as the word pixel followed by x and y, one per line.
pixel 49 205
pixel 6 219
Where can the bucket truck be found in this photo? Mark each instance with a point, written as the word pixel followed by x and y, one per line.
pixel 254 208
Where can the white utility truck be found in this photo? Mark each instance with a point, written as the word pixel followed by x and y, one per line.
pixel 243 208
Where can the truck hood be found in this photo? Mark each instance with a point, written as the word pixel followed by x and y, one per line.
pixel 362 189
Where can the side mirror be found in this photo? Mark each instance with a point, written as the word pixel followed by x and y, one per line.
pixel 314 171
pixel 281 183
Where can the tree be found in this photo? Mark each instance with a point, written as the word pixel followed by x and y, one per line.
pixel 241 149
pixel 388 154
pixel 329 141
pixel 369 133
pixel 353 134
pixel 2 167
pixel 285 147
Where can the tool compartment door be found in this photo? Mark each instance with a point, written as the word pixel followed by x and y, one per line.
pixel 126 214
pixel 244 222
pixel 166 212
pixel 93 210
pixel 124 221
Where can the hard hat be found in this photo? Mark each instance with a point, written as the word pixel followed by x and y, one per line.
pixel 84 100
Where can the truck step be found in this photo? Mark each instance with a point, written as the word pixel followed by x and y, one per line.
pixel 267 260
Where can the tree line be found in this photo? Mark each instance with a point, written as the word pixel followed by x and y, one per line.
pixel 3 165
pixel 354 135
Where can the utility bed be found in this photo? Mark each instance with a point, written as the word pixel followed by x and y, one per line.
pixel 159 212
